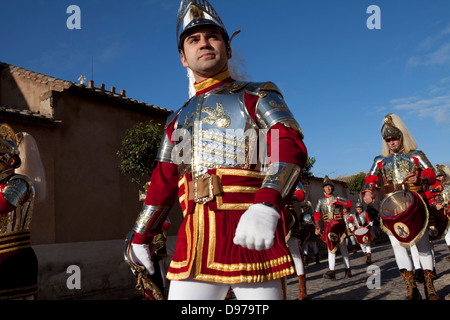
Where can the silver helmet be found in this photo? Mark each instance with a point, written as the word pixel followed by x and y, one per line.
pixel 8 146
pixel 389 129
pixel 194 13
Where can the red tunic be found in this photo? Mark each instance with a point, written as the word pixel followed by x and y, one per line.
pixel 205 248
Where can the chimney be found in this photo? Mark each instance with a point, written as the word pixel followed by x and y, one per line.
pixel 91 83
pixel 113 89
pixel 122 93
pixel 102 86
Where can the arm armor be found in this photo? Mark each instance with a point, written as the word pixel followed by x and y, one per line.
pixel 150 219
pixel 281 176
pixel 270 110
pixel 166 145
pixel 374 171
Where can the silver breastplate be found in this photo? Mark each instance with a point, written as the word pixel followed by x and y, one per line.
pixel 324 207
pixel 397 166
pixel 215 130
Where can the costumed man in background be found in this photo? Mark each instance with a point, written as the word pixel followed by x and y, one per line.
pixel 18 262
pixel 349 234
pixel 295 239
pixel 405 172
pixel 437 224
pixel 233 232
pixel 360 221
pixel 307 224
pixel 329 213
pixel 439 198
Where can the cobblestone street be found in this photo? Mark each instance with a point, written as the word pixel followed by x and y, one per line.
pixel 356 288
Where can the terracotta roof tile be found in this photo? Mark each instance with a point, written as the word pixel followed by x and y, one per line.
pixel 63 85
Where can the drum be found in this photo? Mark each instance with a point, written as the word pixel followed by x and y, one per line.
pixel 363 235
pixel 396 203
pixel 308 219
pixel 333 234
pixel 404 215
pixel 444 199
pixel 438 223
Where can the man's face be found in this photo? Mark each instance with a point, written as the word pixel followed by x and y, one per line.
pixel 359 209
pixel 205 52
pixel 328 189
pixel 394 143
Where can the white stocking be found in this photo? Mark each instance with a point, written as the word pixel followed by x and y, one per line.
pixel 296 256
pixel 199 290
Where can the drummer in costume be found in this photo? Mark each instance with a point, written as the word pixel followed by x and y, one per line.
pixel 296 238
pixel 349 234
pixel 403 172
pixel 438 222
pixel 330 223
pixel 233 232
pixel 18 262
pixel 359 224
pixel 307 224
pixel 440 197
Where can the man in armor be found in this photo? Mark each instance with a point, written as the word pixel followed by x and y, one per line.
pixel 358 220
pixel 308 227
pixel 402 167
pixel 18 262
pixel 439 197
pixel 330 223
pixel 232 198
pixel 295 238
pixel 349 234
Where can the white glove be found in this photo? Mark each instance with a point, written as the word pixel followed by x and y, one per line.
pixel 141 254
pixel 256 228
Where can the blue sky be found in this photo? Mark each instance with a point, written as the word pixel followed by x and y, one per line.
pixel 338 77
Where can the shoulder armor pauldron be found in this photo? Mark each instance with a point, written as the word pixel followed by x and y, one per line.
pixel 16 189
pixel 271 107
pixel 166 146
pixel 374 170
pixel 424 163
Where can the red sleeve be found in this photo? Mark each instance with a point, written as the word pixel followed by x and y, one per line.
pixel 289 147
pixel 434 190
pixel 430 175
pixel 300 195
pixel 291 150
pixel 161 192
pixel 5 206
pixel 370 179
pixel 367 217
pixel 350 219
pixel 316 216
pixel 344 203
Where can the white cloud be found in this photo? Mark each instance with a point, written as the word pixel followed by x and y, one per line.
pixel 437 107
pixel 436 50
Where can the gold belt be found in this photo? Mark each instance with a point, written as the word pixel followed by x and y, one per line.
pixel 388 188
pixel 203 188
pixel 14 241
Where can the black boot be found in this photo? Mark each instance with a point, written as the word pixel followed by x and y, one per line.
pixel 418 275
pixel 330 275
